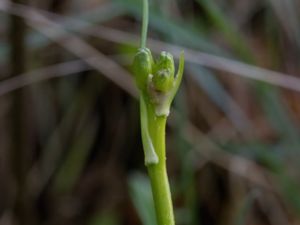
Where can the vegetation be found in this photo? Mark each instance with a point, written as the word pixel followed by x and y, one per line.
pixel 70 146
pixel 158 85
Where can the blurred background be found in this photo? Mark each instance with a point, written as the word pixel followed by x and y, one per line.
pixel 70 148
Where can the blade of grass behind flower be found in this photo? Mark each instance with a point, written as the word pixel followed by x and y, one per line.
pixel 225 26
pixel 291 22
pixel 141 196
pixel 220 97
pixel 75 160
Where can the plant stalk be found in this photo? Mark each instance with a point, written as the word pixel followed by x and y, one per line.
pixel 158 172
pixel 145 23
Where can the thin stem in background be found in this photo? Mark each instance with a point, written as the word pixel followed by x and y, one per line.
pixel 42 74
pixel 145 23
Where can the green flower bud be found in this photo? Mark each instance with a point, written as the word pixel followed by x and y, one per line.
pixel 157 81
pixel 163 77
pixel 142 67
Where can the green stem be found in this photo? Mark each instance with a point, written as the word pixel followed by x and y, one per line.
pixel 156 126
pixel 158 172
pixel 145 23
